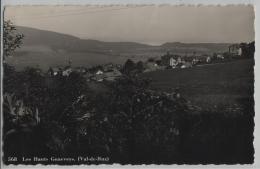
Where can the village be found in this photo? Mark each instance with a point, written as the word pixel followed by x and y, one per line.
pixel 111 71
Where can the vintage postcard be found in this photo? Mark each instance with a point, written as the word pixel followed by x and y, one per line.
pixel 128 84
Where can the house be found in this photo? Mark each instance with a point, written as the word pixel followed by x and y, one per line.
pixel 80 69
pixel 173 62
pixel 166 59
pixel 66 71
pixel 54 71
pixel 208 59
pixel 112 75
pixel 170 60
pixel 194 61
pixel 179 60
pixel 108 67
pixel 186 65
pixel 235 49
pixel 99 72
pixel 97 76
pixel 220 56
pixel 57 71
pixel 100 76
pixel 151 66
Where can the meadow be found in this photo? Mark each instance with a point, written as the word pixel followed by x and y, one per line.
pixel 212 86
pixel 222 128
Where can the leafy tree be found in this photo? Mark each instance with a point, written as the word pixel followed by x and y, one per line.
pixel 251 48
pixel 214 56
pixel 128 67
pixel 248 49
pixel 140 66
pixel 151 60
pixel 11 39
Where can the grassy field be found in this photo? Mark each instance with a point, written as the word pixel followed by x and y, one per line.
pixel 223 86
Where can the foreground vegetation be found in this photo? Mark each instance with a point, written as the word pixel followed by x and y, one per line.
pixel 127 122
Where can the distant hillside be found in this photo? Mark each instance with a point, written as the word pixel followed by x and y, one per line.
pixel 42 37
pixel 46 48
pixel 58 41
pixel 196 47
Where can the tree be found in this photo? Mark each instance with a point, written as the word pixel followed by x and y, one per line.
pixel 152 59
pixel 11 39
pixel 214 56
pixel 128 67
pixel 248 50
pixel 251 48
pixel 140 66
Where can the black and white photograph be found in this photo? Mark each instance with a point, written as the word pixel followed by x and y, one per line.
pixel 128 84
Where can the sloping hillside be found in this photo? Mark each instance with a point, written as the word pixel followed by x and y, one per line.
pixel 46 48
pixel 208 86
pixel 58 41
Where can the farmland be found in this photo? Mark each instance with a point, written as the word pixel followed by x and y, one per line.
pixel 209 86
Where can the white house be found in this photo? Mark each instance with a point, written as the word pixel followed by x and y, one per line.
pixel 239 51
pixel 55 71
pixel 220 56
pixel 66 72
pixel 173 62
pixel 194 61
pixel 235 49
pixel 186 65
pixel 99 72
pixel 208 59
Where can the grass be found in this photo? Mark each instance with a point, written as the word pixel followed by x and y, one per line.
pixel 209 86
pixel 223 131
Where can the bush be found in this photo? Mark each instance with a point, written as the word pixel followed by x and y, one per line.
pixel 117 123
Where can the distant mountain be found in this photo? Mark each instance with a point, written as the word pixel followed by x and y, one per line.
pixel 41 37
pixel 58 41
pixel 47 48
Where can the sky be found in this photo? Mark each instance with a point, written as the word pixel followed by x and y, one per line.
pixel 149 24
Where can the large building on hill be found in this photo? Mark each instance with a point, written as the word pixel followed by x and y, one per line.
pixel 235 49
pixel 170 60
